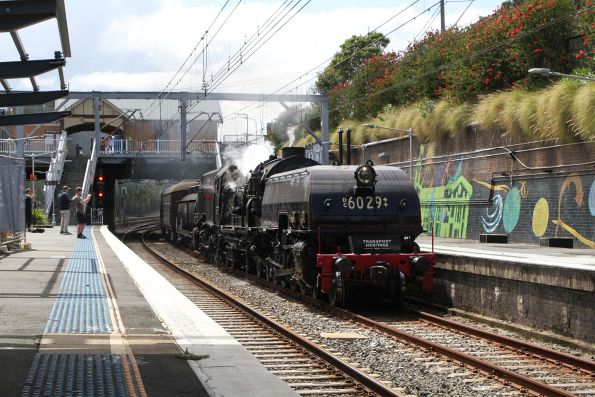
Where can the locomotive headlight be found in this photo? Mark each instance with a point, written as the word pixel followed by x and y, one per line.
pixel 365 176
pixel 403 204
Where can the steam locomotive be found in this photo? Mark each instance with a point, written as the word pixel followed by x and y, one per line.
pixel 325 230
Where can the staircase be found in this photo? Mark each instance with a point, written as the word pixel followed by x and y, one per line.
pixel 72 176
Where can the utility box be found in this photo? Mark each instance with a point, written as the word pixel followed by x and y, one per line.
pixel 560 242
pixel 493 238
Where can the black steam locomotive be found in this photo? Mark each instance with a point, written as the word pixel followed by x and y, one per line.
pixel 329 230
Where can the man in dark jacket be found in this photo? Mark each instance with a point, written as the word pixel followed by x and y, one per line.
pixel 64 202
pixel 28 208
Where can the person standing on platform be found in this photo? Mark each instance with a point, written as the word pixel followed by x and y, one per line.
pixel 79 206
pixel 64 201
pixel 110 144
pixel 28 208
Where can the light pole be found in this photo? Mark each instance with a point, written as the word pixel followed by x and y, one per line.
pixel 247 126
pixel 547 72
pixel 409 132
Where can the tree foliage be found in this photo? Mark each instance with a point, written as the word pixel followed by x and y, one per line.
pixel 347 61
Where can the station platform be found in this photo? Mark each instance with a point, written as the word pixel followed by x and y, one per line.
pixel 571 258
pixel 87 317
pixel 543 288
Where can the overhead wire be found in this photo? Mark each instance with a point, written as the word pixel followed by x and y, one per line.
pixel 253 45
pixel 249 107
pixel 463 13
pixel 188 57
pixel 429 23
pixel 173 119
pixel 331 57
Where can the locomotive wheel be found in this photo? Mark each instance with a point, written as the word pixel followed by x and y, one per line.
pixel 336 296
pixel 268 274
pixel 260 270
pixel 395 294
pixel 302 288
pixel 315 292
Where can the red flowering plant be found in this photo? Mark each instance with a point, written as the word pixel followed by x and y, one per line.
pixel 461 65
pixel 369 89
pixel 498 50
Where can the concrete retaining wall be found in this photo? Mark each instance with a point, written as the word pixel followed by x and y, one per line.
pixel 541 297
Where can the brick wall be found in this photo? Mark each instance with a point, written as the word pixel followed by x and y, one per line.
pixel 490 183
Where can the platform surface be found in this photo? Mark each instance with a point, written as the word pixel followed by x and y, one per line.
pixel 571 258
pixel 74 322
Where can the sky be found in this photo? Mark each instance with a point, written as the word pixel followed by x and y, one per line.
pixel 138 45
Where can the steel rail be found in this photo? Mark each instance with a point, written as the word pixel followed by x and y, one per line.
pixel 359 377
pixel 510 377
pixel 557 357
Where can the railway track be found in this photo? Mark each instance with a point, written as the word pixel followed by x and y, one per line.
pixel 528 367
pixel 513 364
pixel 302 364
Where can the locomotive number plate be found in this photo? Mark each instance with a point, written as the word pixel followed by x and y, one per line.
pixel 365 202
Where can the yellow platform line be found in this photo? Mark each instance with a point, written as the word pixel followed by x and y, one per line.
pixel 119 341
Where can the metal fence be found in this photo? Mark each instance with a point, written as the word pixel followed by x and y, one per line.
pixel 157 146
pixel 32 146
pixel 97 216
pixel 314 152
pixel 7 146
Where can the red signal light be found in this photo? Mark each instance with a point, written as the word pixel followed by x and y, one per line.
pixel 100 178
pixel 100 194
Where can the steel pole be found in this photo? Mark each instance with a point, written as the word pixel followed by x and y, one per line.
pixel 324 130
pixel 410 131
pixel 442 17
pixel 183 128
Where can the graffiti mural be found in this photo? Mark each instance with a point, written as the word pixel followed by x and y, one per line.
pixel 578 199
pixel 592 199
pixel 541 217
pixel 492 219
pixel 463 197
pixel 512 209
pixel 445 208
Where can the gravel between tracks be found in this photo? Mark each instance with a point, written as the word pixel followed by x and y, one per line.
pixel 381 355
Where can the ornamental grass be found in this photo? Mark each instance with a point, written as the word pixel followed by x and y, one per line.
pixel 565 111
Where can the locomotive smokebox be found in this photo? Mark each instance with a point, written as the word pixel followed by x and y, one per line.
pixel 293 151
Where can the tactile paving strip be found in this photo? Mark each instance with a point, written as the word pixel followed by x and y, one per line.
pixel 81 306
pixel 99 375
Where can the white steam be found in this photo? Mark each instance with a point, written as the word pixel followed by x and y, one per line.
pixel 247 158
pixel 291 134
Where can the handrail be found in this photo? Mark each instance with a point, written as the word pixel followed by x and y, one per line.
pixel 54 174
pixel 116 146
pixel 90 170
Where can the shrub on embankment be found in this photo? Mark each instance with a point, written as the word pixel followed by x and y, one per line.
pixel 563 111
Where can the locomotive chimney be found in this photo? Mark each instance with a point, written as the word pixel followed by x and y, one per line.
pixel 348 150
pixel 340 146
pixel 293 151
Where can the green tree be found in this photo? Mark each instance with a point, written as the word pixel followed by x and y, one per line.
pixel 345 63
